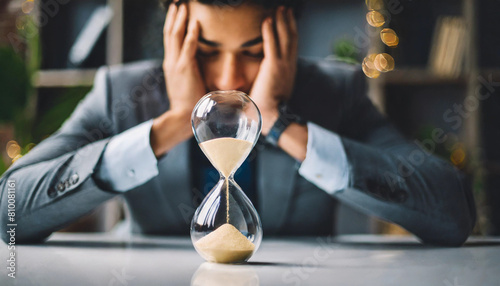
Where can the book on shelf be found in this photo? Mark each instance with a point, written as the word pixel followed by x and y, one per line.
pixel 448 47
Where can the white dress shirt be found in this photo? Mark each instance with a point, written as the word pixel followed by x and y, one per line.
pixel 129 161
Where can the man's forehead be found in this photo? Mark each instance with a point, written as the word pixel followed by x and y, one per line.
pixel 221 25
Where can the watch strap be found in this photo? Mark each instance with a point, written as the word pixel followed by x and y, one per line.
pixel 285 118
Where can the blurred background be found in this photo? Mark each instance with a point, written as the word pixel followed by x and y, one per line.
pixel 447 77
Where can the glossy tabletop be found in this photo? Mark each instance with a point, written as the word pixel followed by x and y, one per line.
pixel 103 259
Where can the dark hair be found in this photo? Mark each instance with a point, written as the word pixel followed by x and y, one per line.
pixel 268 4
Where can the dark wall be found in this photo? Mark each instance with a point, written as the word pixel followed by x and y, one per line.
pixel 490 123
pixel 488 33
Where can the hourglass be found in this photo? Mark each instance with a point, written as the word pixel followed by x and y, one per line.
pixel 226 227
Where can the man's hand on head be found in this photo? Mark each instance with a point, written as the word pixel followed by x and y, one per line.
pixel 185 85
pixel 276 77
pixel 183 79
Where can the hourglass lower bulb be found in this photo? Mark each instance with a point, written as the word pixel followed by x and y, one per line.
pixel 226 227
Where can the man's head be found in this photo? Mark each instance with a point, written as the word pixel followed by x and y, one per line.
pixel 230 47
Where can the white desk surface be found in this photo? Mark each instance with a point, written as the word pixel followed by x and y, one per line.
pixel 101 259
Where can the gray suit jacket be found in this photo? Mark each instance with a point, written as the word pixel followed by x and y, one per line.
pixel 390 177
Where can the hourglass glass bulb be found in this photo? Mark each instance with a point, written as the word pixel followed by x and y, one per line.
pixel 226 228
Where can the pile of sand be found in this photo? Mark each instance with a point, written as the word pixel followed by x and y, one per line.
pixel 225 245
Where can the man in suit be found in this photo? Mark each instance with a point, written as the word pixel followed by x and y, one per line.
pixel 131 136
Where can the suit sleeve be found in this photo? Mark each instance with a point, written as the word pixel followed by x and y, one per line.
pixel 128 160
pixel 397 180
pixel 54 182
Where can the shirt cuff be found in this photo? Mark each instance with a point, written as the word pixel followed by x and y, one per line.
pixel 326 161
pixel 128 160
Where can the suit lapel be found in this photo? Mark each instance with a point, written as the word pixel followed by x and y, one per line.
pixel 275 180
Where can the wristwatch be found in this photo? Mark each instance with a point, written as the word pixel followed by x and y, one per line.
pixel 285 118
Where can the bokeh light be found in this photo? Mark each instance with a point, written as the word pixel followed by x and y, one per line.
pixel 384 62
pixel 16 158
pixel 27 6
pixel 368 66
pixel 374 4
pixel 375 19
pixel 374 64
pixel 13 149
pixel 389 37
pixel 458 155
pixel 30 146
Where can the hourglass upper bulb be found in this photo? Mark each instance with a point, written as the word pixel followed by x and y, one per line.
pixel 226 121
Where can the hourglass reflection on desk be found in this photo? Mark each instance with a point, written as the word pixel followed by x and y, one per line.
pixel 226 228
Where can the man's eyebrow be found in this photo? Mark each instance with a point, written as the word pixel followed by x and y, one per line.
pixel 253 42
pixel 207 42
pixel 247 44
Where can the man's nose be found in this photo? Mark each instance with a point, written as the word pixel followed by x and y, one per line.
pixel 230 77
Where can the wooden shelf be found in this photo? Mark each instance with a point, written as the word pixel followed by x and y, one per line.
pixel 64 78
pixel 420 76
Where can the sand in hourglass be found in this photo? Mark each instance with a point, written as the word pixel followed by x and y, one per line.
pixel 226 154
pixel 226 244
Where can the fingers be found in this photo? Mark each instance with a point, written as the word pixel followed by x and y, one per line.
pixel 169 21
pixel 269 39
pixel 191 42
pixel 292 21
pixel 286 28
pixel 182 46
pixel 282 29
pixel 294 34
pixel 167 29
pixel 176 37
